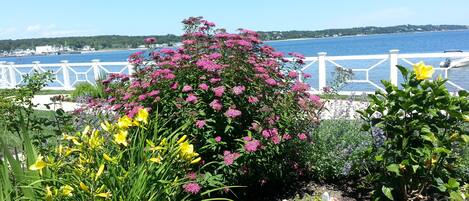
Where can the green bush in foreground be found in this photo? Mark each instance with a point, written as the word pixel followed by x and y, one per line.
pixel 424 127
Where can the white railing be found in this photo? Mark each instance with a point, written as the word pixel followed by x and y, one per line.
pixel 67 75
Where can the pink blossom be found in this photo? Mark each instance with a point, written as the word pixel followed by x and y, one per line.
pixel 141 97
pixel 150 40
pixel 293 74
pixel 252 99
pixel 300 86
pixel 302 136
pixel 174 85
pixel 216 105
pixel 153 93
pixel 215 55
pixel 186 88
pixel 217 139
pixel 214 80
pixel 126 96
pixel 276 139
pixel 306 75
pixel 232 113
pixel 271 82
pixel 188 42
pixel 208 65
pixel 229 157
pixel 247 138
pixel 170 76
pixel 191 98
pixel 219 91
pixel 286 136
pixel 192 187
pixel 191 175
pixel 237 90
pixel 203 86
pixel 297 55
pixel 252 146
pixel 200 123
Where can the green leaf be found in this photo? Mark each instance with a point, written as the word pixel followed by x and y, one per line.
pixel 442 150
pixel 415 167
pixel 394 168
pixel 387 192
pixel 456 196
pixel 430 137
pixel 378 158
pixel 452 184
pixel 465 138
pixel 403 70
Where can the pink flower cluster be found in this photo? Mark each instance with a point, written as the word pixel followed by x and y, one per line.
pixel 229 157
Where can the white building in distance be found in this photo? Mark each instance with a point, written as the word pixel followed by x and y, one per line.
pixel 44 49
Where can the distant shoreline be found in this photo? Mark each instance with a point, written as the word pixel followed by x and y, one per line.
pixel 360 35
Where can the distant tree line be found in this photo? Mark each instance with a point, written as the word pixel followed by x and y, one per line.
pixel 116 41
pixel 282 35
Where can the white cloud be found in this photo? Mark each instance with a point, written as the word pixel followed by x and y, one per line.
pixel 33 28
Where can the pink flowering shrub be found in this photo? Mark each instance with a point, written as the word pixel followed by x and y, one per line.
pixel 240 99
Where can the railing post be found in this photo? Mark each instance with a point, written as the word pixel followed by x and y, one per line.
pixel 66 75
pixel 322 70
pixel 96 72
pixel 393 71
pixel 3 76
pixel 11 70
pixel 131 68
pixel 36 65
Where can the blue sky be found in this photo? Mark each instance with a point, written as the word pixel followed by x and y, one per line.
pixel 55 18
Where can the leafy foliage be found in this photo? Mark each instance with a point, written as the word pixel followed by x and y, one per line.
pixel 424 127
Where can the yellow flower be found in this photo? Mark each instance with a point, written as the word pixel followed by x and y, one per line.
pixel 87 129
pixel 108 158
pixel 124 122
pixel 67 190
pixel 84 187
pixel 195 161
pixel 142 116
pixel 95 140
pixel 48 193
pixel 39 164
pixel 104 195
pixel 156 159
pixel 187 151
pixel 423 71
pixel 182 139
pixel 68 137
pixel 106 126
pixel 121 137
pixel 100 171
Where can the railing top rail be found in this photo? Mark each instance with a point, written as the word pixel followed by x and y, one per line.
pixel 434 55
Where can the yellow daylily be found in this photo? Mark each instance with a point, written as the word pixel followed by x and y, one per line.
pixel 195 161
pixel 100 171
pixel 124 122
pixel 67 190
pixel 156 159
pixel 68 137
pixel 187 151
pixel 87 129
pixel 95 140
pixel 182 139
pixel 48 193
pixel 104 195
pixel 108 158
pixel 423 71
pixel 106 126
pixel 142 116
pixel 84 187
pixel 466 118
pixel 121 137
pixel 39 164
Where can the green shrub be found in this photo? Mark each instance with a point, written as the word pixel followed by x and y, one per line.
pixel 424 127
pixel 338 150
pixel 86 89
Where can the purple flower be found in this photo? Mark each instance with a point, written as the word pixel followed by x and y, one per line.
pixel 232 113
pixel 191 175
pixel 191 98
pixel 192 187
pixel 141 97
pixel 153 93
pixel 200 123
pixel 293 74
pixel 219 91
pixel 218 139
pixel 252 146
pixel 276 139
pixel 216 105
pixel 237 90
